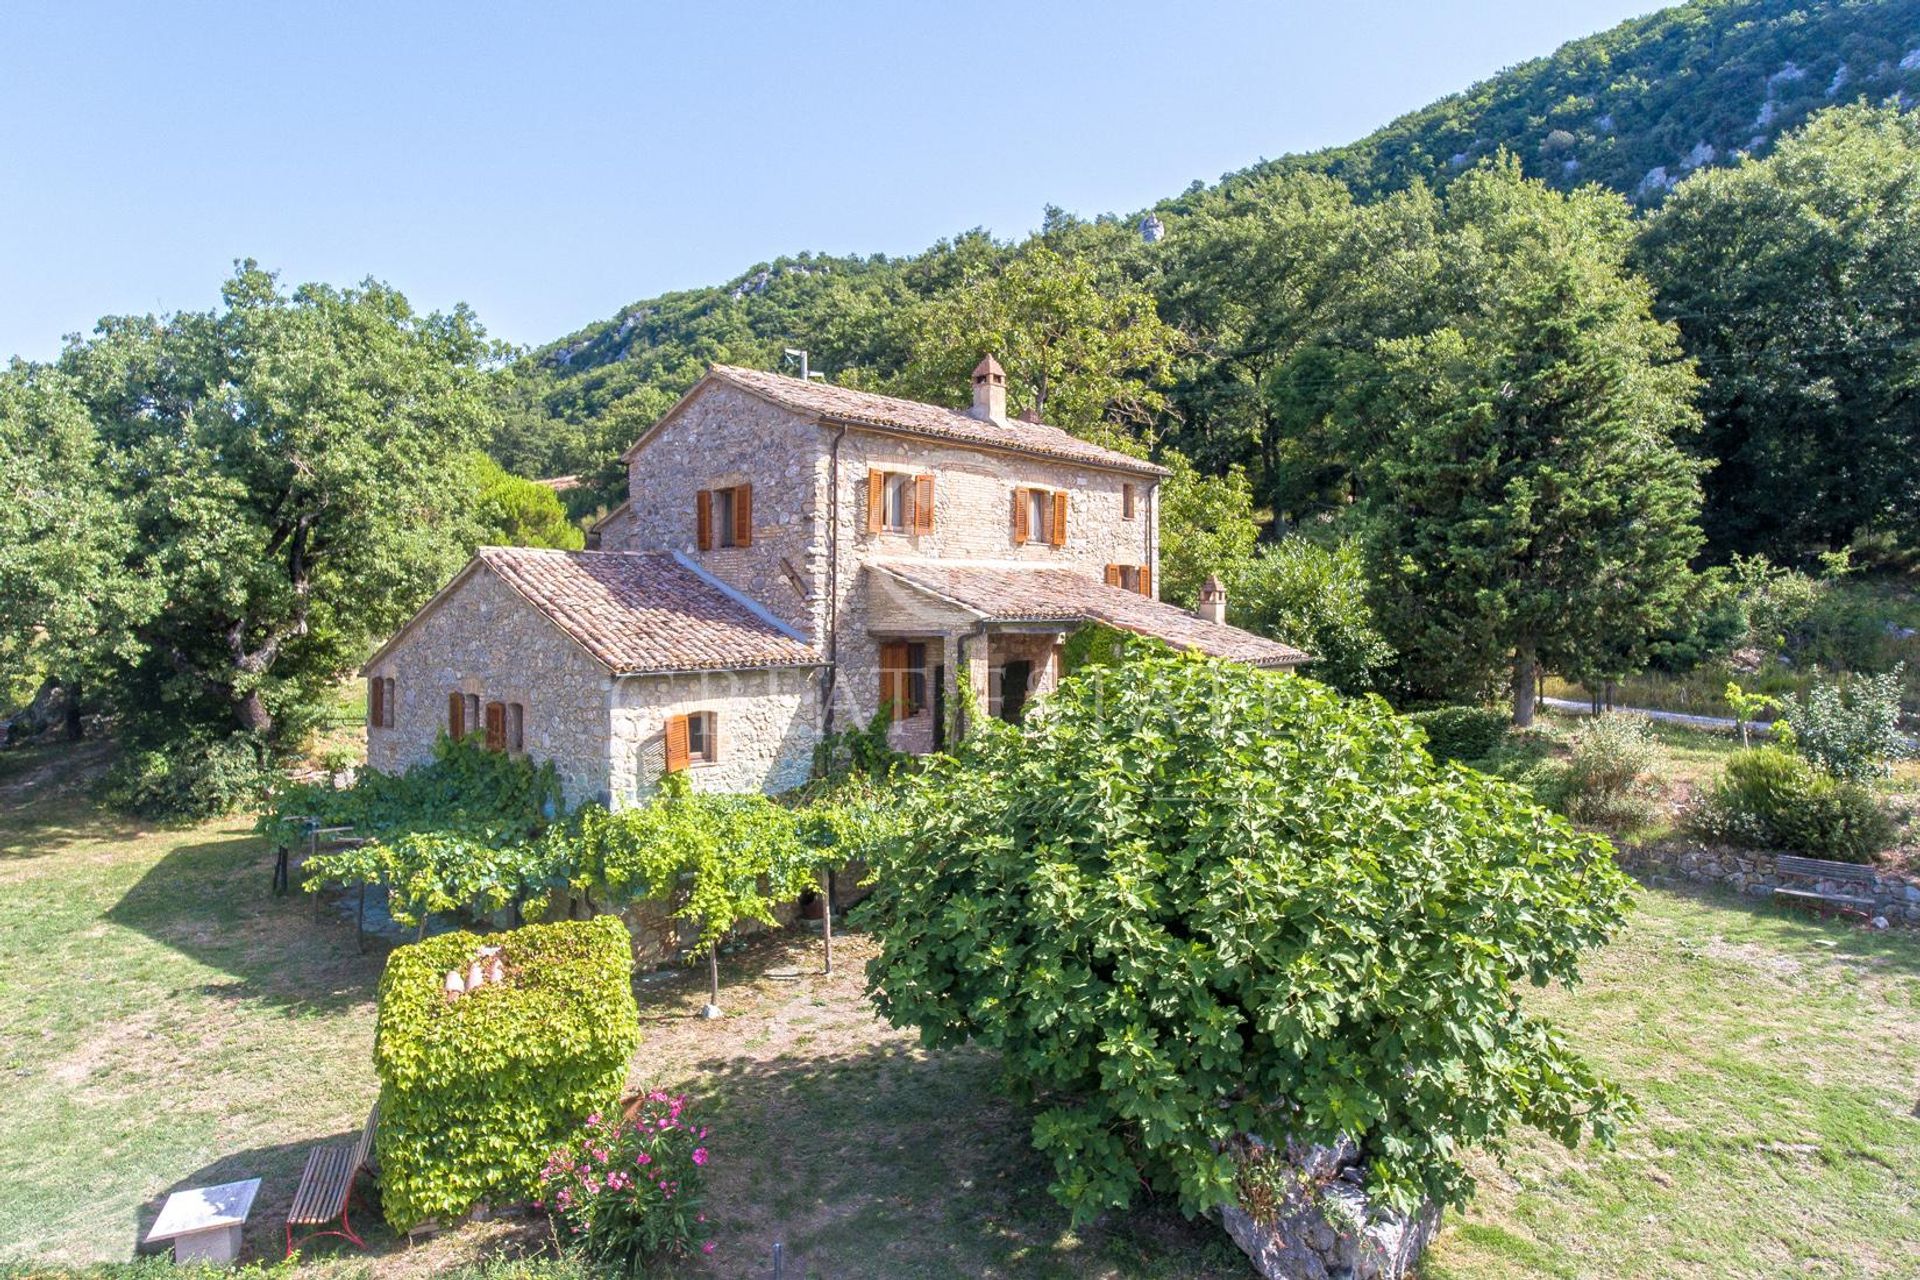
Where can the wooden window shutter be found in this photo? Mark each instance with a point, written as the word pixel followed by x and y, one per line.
pixel 1057 534
pixel 893 678
pixel 743 516
pixel 377 702
pixel 923 503
pixel 703 517
pixel 876 501
pixel 676 743
pixel 1113 575
pixel 1146 580
pixel 456 716
pixel 1021 533
pixel 496 726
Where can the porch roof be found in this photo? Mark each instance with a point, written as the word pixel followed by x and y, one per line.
pixel 994 593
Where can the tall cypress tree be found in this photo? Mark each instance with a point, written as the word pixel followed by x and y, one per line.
pixel 1532 506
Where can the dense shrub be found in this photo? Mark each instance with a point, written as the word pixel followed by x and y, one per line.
pixel 1200 901
pixel 200 776
pixel 1465 734
pixel 1608 780
pixel 1851 730
pixel 1768 798
pixel 476 1091
pixel 1314 598
pixel 629 1188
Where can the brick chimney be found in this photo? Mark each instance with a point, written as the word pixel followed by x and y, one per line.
pixel 1213 600
pixel 989 391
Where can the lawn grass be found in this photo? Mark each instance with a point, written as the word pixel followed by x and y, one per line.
pixel 170 1024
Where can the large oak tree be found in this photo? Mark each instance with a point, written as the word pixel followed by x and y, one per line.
pixel 291 466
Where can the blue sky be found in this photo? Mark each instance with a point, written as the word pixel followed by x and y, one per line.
pixel 549 164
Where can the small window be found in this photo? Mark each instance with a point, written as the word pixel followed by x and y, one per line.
pixel 1130 576
pixel 1127 510
pixel 516 728
pixel 473 721
pixel 691 739
pixel 700 737
pixel 898 502
pixel 724 517
pixel 387 708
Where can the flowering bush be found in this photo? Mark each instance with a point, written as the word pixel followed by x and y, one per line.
pixel 631 1188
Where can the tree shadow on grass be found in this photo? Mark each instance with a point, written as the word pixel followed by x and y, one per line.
pixel 1889 951
pixel 890 1162
pixel 213 900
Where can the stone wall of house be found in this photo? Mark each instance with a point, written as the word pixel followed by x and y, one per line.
pixel 483 638
pixel 614 531
pixel 725 438
pixel 1896 897
pixel 766 723
pixel 973 520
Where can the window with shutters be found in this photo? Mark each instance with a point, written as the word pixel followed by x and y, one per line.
pixel 724 517
pixel 903 678
pixel 899 502
pixel 1132 577
pixel 691 739
pixel 496 726
pixel 516 728
pixel 1040 515
pixel 376 703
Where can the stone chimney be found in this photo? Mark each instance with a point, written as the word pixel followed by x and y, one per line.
pixel 1213 600
pixel 989 391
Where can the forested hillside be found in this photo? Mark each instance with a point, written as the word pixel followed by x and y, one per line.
pixel 1636 108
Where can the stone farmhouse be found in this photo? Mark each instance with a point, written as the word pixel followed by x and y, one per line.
pixel 792 559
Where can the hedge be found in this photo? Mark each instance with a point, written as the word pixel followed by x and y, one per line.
pixel 476 1090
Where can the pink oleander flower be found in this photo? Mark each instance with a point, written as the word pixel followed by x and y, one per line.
pixel 709 1246
pixel 643 1159
pixel 699 1155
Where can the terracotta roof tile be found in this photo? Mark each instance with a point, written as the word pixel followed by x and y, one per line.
pixel 644 612
pixel 1010 594
pixel 865 408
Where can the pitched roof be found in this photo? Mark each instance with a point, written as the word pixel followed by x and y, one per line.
pixel 637 613
pixel 1019 594
pixel 911 417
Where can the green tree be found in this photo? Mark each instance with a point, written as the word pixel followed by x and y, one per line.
pixel 1206 526
pixel 1314 598
pixel 290 463
pixel 513 511
pixel 1533 506
pixel 1283 289
pixel 1795 280
pixel 1076 353
pixel 1196 901
pixel 69 604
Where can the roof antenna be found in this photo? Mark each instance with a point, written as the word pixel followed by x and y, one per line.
pixel 806 374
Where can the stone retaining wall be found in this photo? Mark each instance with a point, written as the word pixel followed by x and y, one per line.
pixel 1896 897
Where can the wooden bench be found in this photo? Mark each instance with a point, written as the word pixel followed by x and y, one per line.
pixel 326 1185
pixel 1811 871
